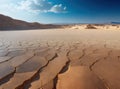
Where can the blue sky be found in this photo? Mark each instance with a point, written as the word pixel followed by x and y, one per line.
pixel 62 11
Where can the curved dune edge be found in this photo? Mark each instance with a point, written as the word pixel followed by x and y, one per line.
pixel 79 77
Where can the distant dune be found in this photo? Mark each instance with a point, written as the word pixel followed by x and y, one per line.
pixel 8 23
pixel 94 26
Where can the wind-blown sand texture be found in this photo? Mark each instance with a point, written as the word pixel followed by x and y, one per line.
pixel 60 59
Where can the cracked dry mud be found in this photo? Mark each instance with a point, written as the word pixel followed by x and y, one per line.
pixel 57 64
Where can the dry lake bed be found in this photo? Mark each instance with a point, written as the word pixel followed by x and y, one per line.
pixel 60 59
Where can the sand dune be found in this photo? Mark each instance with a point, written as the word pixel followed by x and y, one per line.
pixel 95 26
pixel 79 77
pixel 60 58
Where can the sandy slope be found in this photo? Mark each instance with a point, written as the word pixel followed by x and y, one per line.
pixel 60 59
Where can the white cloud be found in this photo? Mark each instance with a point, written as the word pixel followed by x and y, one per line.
pixel 40 6
pixel 58 9
pixel 24 5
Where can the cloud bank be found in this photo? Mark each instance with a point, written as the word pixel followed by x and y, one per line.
pixel 40 6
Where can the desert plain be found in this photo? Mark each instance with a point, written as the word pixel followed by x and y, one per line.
pixel 70 57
